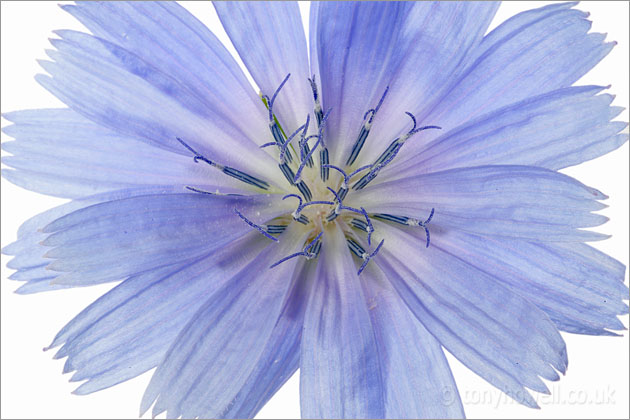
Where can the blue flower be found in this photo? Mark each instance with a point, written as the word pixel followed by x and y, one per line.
pixel 395 195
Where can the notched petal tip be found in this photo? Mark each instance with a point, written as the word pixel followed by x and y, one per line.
pixel 43 79
pixel 66 7
pixel 67 368
pixel 9 116
pixel 7 250
pixel 597 194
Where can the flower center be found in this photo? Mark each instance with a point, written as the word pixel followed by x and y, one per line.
pixel 304 162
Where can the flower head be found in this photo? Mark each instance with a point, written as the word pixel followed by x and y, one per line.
pixel 391 193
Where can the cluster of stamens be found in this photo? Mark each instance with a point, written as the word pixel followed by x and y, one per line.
pixel 300 172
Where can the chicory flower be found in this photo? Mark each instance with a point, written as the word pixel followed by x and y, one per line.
pixel 392 192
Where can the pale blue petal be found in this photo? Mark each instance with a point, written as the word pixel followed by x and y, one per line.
pixel 281 357
pixel 59 152
pixel 580 288
pixel 340 373
pixel 28 252
pixel 270 40
pixel 32 273
pixel 118 90
pixel 530 54
pixel 417 48
pixel 495 332
pixel 417 378
pixel 514 201
pixel 129 329
pixel 136 234
pixel 170 39
pixel 39 285
pixel 213 356
pixel 554 130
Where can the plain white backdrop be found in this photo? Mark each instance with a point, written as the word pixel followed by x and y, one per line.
pixel 595 386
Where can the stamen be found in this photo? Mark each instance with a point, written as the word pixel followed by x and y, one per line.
pixel 294 196
pixel 342 193
pixel 288 172
pixel 318 108
pixel 323 161
pixel 339 202
pixel 306 192
pixel 378 106
pixel 276 131
pixel 275 95
pixel 345 175
pixel 303 144
pixel 356 249
pixel 301 186
pixel 390 153
pixel 248 179
pixel 343 189
pixel 416 222
pixel 358 144
pixel 333 215
pixel 283 148
pixel 391 218
pixel 367 257
pixel 316 248
pixel 197 190
pixel 364 226
pixel 319 136
pixel 235 173
pixel 275 229
pixel 305 252
pixel 359 224
pixel 370 228
pixel 255 226
pixel 415 130
pixel 365 130
pixel 408 221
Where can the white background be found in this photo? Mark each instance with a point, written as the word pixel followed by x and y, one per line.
pixel 596 384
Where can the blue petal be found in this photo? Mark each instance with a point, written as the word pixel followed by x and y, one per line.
pixel 580 288
pixel 140 233
pixel 417 48
pixel 554 130
pixel 514 201
pixel 28 251
pixel 270 40
pixel 281 357
pixel 213 356
pixel 37 285
pixel 118 90
pixel 495 332
pixel 128 330
pixel 532 53
pixel 59 152
pixel 340 373
pixel 172 41
pixel 417 379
